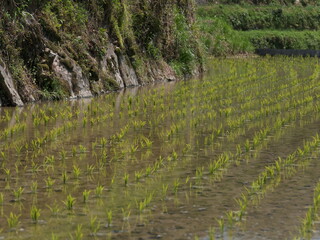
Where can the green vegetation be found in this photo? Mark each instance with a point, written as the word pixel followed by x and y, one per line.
pixel 283 39
pixel 44 42
pixel 233 29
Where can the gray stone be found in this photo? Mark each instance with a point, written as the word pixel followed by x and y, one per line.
pixel 7 88
pixel 128 74
pixel 72 75
pixel 110 63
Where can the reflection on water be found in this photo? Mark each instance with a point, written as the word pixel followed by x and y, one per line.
pixel 173 160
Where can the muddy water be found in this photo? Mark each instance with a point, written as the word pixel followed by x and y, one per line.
pixel 144 156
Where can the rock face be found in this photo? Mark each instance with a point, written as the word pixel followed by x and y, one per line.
pixel 8 92
pixel 70 74
pixel 77 49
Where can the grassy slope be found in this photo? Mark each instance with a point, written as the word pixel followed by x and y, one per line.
pixel 80 31
pixel 233 29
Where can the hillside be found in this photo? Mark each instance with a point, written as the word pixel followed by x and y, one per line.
pixel 74 48
pixel 230 28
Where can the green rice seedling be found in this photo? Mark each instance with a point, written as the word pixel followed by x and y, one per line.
pixel 164 190
pixel 49 182
pixel 199 172
pixel 78 232
pixel 103 142
pixel 187 179
pixel 85 195
pixel 133 149
pixel 94 225
pixel 84 122
pixel 50 160
pixel 142 206
pixel 63 155
pixel 213 167
pixel 82 149
pixel 76 171
pixel 148 142
pixel 278 165
pixel 18 148
pixel 69 203
pixel 7 172
pixel 54 209
pixel 211 233
pixel 34 187
pixel 247 145
pixel 176 185
pixel 99 190
pixel 13 220
pixel 90 169
pixel 54 237
pixel 174 156
pixel 137 175
pixel 221 224
pixel 126 179
pixel 126 213
pixel 109 217
pixel 1 199
pixel 17 193
pixel 148 171
pixel 34 167
pixel 35 214
pixel 74 151
pixel 64 177
pixel 230 217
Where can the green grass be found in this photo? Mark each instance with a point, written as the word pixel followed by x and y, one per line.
pixel 233 29
pixel 275 39
pixel 244 18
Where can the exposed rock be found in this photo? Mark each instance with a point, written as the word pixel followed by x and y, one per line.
pixel 8 92
pixel 110 63
pixel 68 71
pixel 160 71
pixel 120 67
pixel 128 74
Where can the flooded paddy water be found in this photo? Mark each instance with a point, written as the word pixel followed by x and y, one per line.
pixel 233 155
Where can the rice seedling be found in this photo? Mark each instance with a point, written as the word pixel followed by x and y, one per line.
pixel 138 175
pixel 85 195
pixel 199 173
pixel 7 172
pixel 18 193
pixel 69 203
pixel 55 209
pixel 54 237
pixel 13 220
pixel 211 233
pixel 34 187
pixel 76 171
pixel 176 185
pixel 221 225
pixel 35 214
pixel 63 155
pixel 49 182
pixel 126 212
pixel 1 199
pixel 94 225
pixel 99 190
pixel 90 169
pixel 109 217
pixel 126 179
pixel 78 233
pixel 64 177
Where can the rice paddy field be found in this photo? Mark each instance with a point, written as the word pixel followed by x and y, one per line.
pixel 234 155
